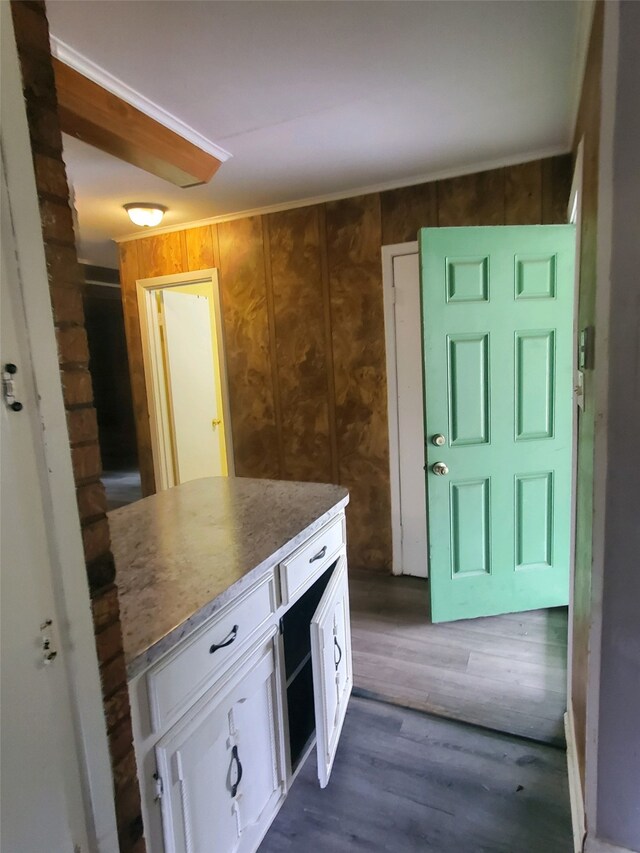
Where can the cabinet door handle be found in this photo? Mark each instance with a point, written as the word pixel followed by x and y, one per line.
pixel 232 635
pixel 235 757
pixel 337 645
pixel 319 555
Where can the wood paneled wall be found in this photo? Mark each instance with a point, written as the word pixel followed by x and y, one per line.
pixel 304 326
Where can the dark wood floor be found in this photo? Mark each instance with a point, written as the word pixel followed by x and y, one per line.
pixel 122 487
pixel 403 781
pixel 504 672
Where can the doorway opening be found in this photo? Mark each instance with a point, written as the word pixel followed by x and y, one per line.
pixel 185 376
pixel 506 672
pixel 104 322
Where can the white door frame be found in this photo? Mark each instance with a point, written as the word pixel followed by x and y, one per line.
pixel 22 232
pixel 388 254
pixel 159 416
pixel 574 216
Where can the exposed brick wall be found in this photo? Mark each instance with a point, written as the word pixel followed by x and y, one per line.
pixel 66 284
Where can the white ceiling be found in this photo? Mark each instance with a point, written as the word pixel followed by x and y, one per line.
pixel 317 98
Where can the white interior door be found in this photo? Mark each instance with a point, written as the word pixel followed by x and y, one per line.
pixel 191 382
pixel 39 776
pixel 408 351
pixel 332 668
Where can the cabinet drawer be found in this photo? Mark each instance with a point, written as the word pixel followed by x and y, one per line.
pixel 185 674
pixel 297 571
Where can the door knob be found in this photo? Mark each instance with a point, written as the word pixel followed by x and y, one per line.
pixel 439 440
pixel 440 468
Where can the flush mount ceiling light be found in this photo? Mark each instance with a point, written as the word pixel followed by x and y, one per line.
pixel 145 213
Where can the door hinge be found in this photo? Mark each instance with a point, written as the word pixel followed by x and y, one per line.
pixel 281 626
pixel 9 387
pixel 393 294
pixel 159 789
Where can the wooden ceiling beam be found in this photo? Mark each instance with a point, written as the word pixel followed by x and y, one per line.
pixel 98 117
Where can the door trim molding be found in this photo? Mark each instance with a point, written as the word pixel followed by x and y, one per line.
pixel 599 403
pixel 576 797
pixel 75 624
pixel 159 418
pixel 574 216
pixel 388 254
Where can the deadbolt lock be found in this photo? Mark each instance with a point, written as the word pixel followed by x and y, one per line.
pixel 439 440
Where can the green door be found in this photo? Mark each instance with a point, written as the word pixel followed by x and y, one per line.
pixel 497 320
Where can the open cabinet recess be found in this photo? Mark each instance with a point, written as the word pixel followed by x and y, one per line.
pixel 317 658
pixel 296 633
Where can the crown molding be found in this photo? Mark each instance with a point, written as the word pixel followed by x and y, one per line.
pixel 429 177
pixel 69 56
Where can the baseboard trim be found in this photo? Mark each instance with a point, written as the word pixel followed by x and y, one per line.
pixel 575 786
pixel 596 845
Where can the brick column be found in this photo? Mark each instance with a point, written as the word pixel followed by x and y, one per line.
pixel 66 284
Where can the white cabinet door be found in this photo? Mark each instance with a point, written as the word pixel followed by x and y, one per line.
pixel 332 669
pixel 220 767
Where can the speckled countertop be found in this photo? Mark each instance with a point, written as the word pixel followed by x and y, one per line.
pixel 183 553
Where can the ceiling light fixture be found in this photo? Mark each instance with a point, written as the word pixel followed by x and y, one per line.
pixel 145 213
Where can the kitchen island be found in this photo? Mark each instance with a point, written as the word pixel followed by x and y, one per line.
pixel 235 618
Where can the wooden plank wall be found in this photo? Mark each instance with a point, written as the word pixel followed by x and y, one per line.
pixel 304 325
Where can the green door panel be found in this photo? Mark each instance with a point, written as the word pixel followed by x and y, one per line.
pixel 497 333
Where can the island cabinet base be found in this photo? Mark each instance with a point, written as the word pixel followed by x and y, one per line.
pixel 224 721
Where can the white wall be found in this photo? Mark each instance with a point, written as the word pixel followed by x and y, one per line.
pixel 91 759
pixel 618 778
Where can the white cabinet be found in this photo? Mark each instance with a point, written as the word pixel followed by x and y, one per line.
pixel 332 669
pixel 308 561
pixel 220 766
pixel 175 683
pixel 225 720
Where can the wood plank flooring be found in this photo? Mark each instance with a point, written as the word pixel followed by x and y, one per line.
pixel 122 487
pixel 506 673
pixel 409 783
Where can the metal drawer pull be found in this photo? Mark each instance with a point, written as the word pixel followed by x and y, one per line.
pixel 319 555
pixel 235 757
pixel 232 635
pixel 337 644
